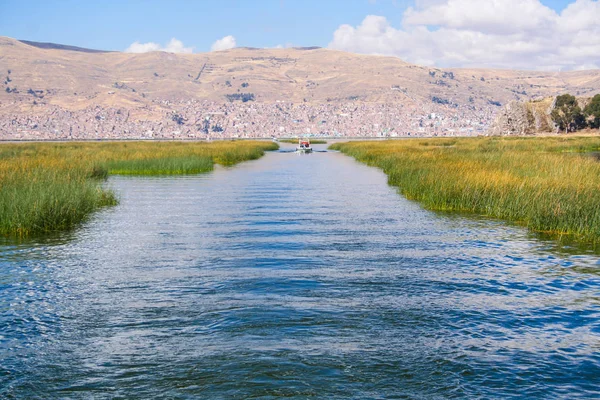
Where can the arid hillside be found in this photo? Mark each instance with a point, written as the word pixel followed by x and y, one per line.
pixel 40 79
pixel 76 79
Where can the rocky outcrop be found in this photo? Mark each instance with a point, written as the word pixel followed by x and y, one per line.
pixel 524 118
pixel 513 119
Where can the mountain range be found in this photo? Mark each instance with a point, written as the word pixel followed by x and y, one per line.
pixel 74 77
pixel 37 77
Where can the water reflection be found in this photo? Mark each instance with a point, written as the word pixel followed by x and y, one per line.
pixel 294 277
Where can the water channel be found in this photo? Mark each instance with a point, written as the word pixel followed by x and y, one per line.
pixel 294 276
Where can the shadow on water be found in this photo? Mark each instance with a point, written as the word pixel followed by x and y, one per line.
pixel 15 249
pixel 557 243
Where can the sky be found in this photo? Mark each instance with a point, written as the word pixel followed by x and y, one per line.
pixel 525 34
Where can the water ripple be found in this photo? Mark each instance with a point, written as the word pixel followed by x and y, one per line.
pixel 294 277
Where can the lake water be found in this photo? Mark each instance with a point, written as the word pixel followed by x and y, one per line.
pixel 294 276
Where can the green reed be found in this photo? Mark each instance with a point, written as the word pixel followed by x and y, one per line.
pixel 547 184
pixel 161 166
pixel 47 187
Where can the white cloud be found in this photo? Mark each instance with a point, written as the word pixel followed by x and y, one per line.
pixel 226 43
pixel 137 47
pixel 580 15
pixel 483 33
pixel 174 46
pixel 485 16
pixel 288 45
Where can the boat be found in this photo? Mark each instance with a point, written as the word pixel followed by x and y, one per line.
pixel 304 146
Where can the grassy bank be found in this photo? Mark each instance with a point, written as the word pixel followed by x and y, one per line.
pixel 547 184
pixel 312 141
pixel 47 187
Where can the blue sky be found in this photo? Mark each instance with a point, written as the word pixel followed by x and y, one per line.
pixel 114 25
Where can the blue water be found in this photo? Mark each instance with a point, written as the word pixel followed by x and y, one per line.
pixel 294 277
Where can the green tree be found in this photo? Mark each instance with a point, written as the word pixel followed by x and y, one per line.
pixel 592 111
pixel 567 114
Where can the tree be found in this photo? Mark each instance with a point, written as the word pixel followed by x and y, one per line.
pixel 567 114
pixel 592 111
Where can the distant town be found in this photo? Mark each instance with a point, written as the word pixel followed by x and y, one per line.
pixel 197 119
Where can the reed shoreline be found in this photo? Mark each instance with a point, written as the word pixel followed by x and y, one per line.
pixel 48 187
pixel 548 184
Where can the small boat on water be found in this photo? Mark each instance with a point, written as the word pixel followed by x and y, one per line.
pixel 304 146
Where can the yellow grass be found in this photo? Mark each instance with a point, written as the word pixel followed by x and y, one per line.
pixel 549 184
pixel 53 186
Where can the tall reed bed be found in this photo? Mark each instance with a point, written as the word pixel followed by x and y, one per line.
pixel 48 187
pixel 548 184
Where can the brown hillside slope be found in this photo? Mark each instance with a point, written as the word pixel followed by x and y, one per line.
pixel 50 91
pixel 77 79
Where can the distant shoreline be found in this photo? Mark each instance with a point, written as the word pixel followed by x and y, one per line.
pixel 350 138
pixel 585 133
